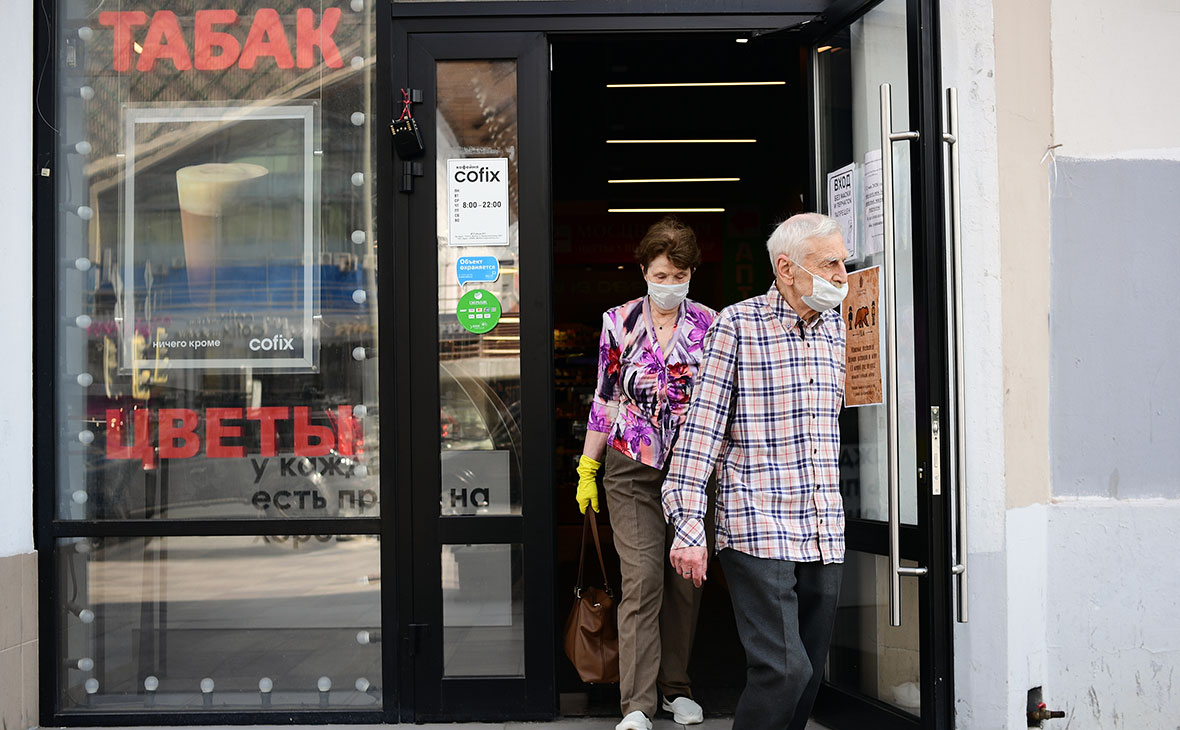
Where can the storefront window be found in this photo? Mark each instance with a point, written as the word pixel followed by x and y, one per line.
pixel 216 344
pixel 228 623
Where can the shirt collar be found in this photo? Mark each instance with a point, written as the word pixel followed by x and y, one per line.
pixel 788 316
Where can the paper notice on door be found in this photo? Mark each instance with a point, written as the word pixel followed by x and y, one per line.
pixel 874 208
pixel 842 204
pixel 477 200
pixel 862 351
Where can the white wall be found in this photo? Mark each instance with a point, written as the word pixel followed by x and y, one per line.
pixel 1113 90
pixel 16 294
pixel 1113 633
pixel 982 685
pixel 1112 586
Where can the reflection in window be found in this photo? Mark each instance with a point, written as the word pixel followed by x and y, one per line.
pixel 483 610
pixel 217 234
pixel 479 369
pixel 242 623
pixel 868 656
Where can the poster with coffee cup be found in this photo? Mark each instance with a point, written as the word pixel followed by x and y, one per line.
pixel 219 238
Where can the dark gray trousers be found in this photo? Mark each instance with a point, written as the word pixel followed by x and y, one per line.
pixel 785 612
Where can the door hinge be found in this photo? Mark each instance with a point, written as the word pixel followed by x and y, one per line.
pixel 415 637
pixel 410 170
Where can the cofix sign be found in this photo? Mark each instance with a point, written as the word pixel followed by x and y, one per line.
pixel 214 45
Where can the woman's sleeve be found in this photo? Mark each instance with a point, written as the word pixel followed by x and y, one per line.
pixel 606 394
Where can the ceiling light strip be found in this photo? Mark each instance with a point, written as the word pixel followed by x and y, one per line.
pixel 696 84
pixel 665 210
pixel 680 141
pixel 675 179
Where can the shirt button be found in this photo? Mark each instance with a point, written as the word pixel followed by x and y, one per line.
pixel 812 380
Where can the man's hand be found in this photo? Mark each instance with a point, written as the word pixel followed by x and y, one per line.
pixel 691 563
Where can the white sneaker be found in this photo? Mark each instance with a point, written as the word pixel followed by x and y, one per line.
pixel 684 710
pixel 635 721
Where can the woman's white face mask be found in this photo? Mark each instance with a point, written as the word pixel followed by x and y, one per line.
pixel 667 296
pixel 667 285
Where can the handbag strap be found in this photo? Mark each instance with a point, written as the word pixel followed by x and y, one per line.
pixel 591 523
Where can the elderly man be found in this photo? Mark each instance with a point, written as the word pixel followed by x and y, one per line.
pixel 767 403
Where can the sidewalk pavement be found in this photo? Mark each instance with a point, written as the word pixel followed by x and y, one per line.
pixel 598 723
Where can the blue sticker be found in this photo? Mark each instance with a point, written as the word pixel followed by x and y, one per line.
pixel 477 268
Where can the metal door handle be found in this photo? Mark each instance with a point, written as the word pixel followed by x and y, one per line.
pixel 956 409
pixel 896 570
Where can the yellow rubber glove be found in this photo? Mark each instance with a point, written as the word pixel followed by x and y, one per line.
pixel 587 487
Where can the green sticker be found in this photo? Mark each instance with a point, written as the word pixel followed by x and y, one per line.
pixel 478 311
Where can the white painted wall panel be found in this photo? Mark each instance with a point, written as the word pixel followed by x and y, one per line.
pixel 1113 633
pixel 1113 88
pixel 16 294
pixel 982 694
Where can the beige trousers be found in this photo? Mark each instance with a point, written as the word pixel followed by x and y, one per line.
pixel 658 608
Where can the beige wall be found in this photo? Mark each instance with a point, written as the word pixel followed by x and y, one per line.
pixel 1024 120
pixel 1113 95
pixel 18 641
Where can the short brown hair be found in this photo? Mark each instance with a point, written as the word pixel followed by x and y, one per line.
pixel 669 237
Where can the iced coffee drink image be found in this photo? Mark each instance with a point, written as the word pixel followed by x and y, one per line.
pixel 220 207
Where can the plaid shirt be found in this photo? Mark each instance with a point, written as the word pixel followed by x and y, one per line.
pixel 767 402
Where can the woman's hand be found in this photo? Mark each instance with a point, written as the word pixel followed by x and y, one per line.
pixel 587 486
pixel 691 563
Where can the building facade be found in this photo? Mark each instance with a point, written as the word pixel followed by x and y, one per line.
pixel 217 241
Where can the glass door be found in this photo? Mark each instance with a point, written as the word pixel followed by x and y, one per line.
pixel 890 656
pixel 476 241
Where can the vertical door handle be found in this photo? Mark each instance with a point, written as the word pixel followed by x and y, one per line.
pixel 954 303
pixel 896 570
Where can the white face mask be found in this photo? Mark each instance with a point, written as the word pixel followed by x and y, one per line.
pixel 824 294
pixel 667 296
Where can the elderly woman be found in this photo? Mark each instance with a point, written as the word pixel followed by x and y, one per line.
pixel 647 365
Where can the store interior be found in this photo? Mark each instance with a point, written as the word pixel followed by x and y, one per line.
pixel 616 101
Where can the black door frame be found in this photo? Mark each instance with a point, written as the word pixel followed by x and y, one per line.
pixel 461 698
pixel 806 20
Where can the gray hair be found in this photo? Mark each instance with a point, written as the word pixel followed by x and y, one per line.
pixel 791 236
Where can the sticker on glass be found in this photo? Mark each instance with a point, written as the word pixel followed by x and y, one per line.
pixel 478 311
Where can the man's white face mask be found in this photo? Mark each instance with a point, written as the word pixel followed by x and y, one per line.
pixel 824 294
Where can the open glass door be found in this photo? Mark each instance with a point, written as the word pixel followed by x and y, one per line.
pixel 473 229
pixel 876 148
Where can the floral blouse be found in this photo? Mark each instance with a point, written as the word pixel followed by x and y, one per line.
pixel 643 392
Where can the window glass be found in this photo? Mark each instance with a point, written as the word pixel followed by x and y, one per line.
pixel 478 288
pixel 483 610
pixel 229 623
pixel 217 282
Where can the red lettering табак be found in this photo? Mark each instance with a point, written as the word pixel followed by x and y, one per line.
pixel 164 40
pixel 266 38
pixel 205 39
pixel 308 37
pixel 122 21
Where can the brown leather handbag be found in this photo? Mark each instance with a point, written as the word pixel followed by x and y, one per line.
pixel 592 629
